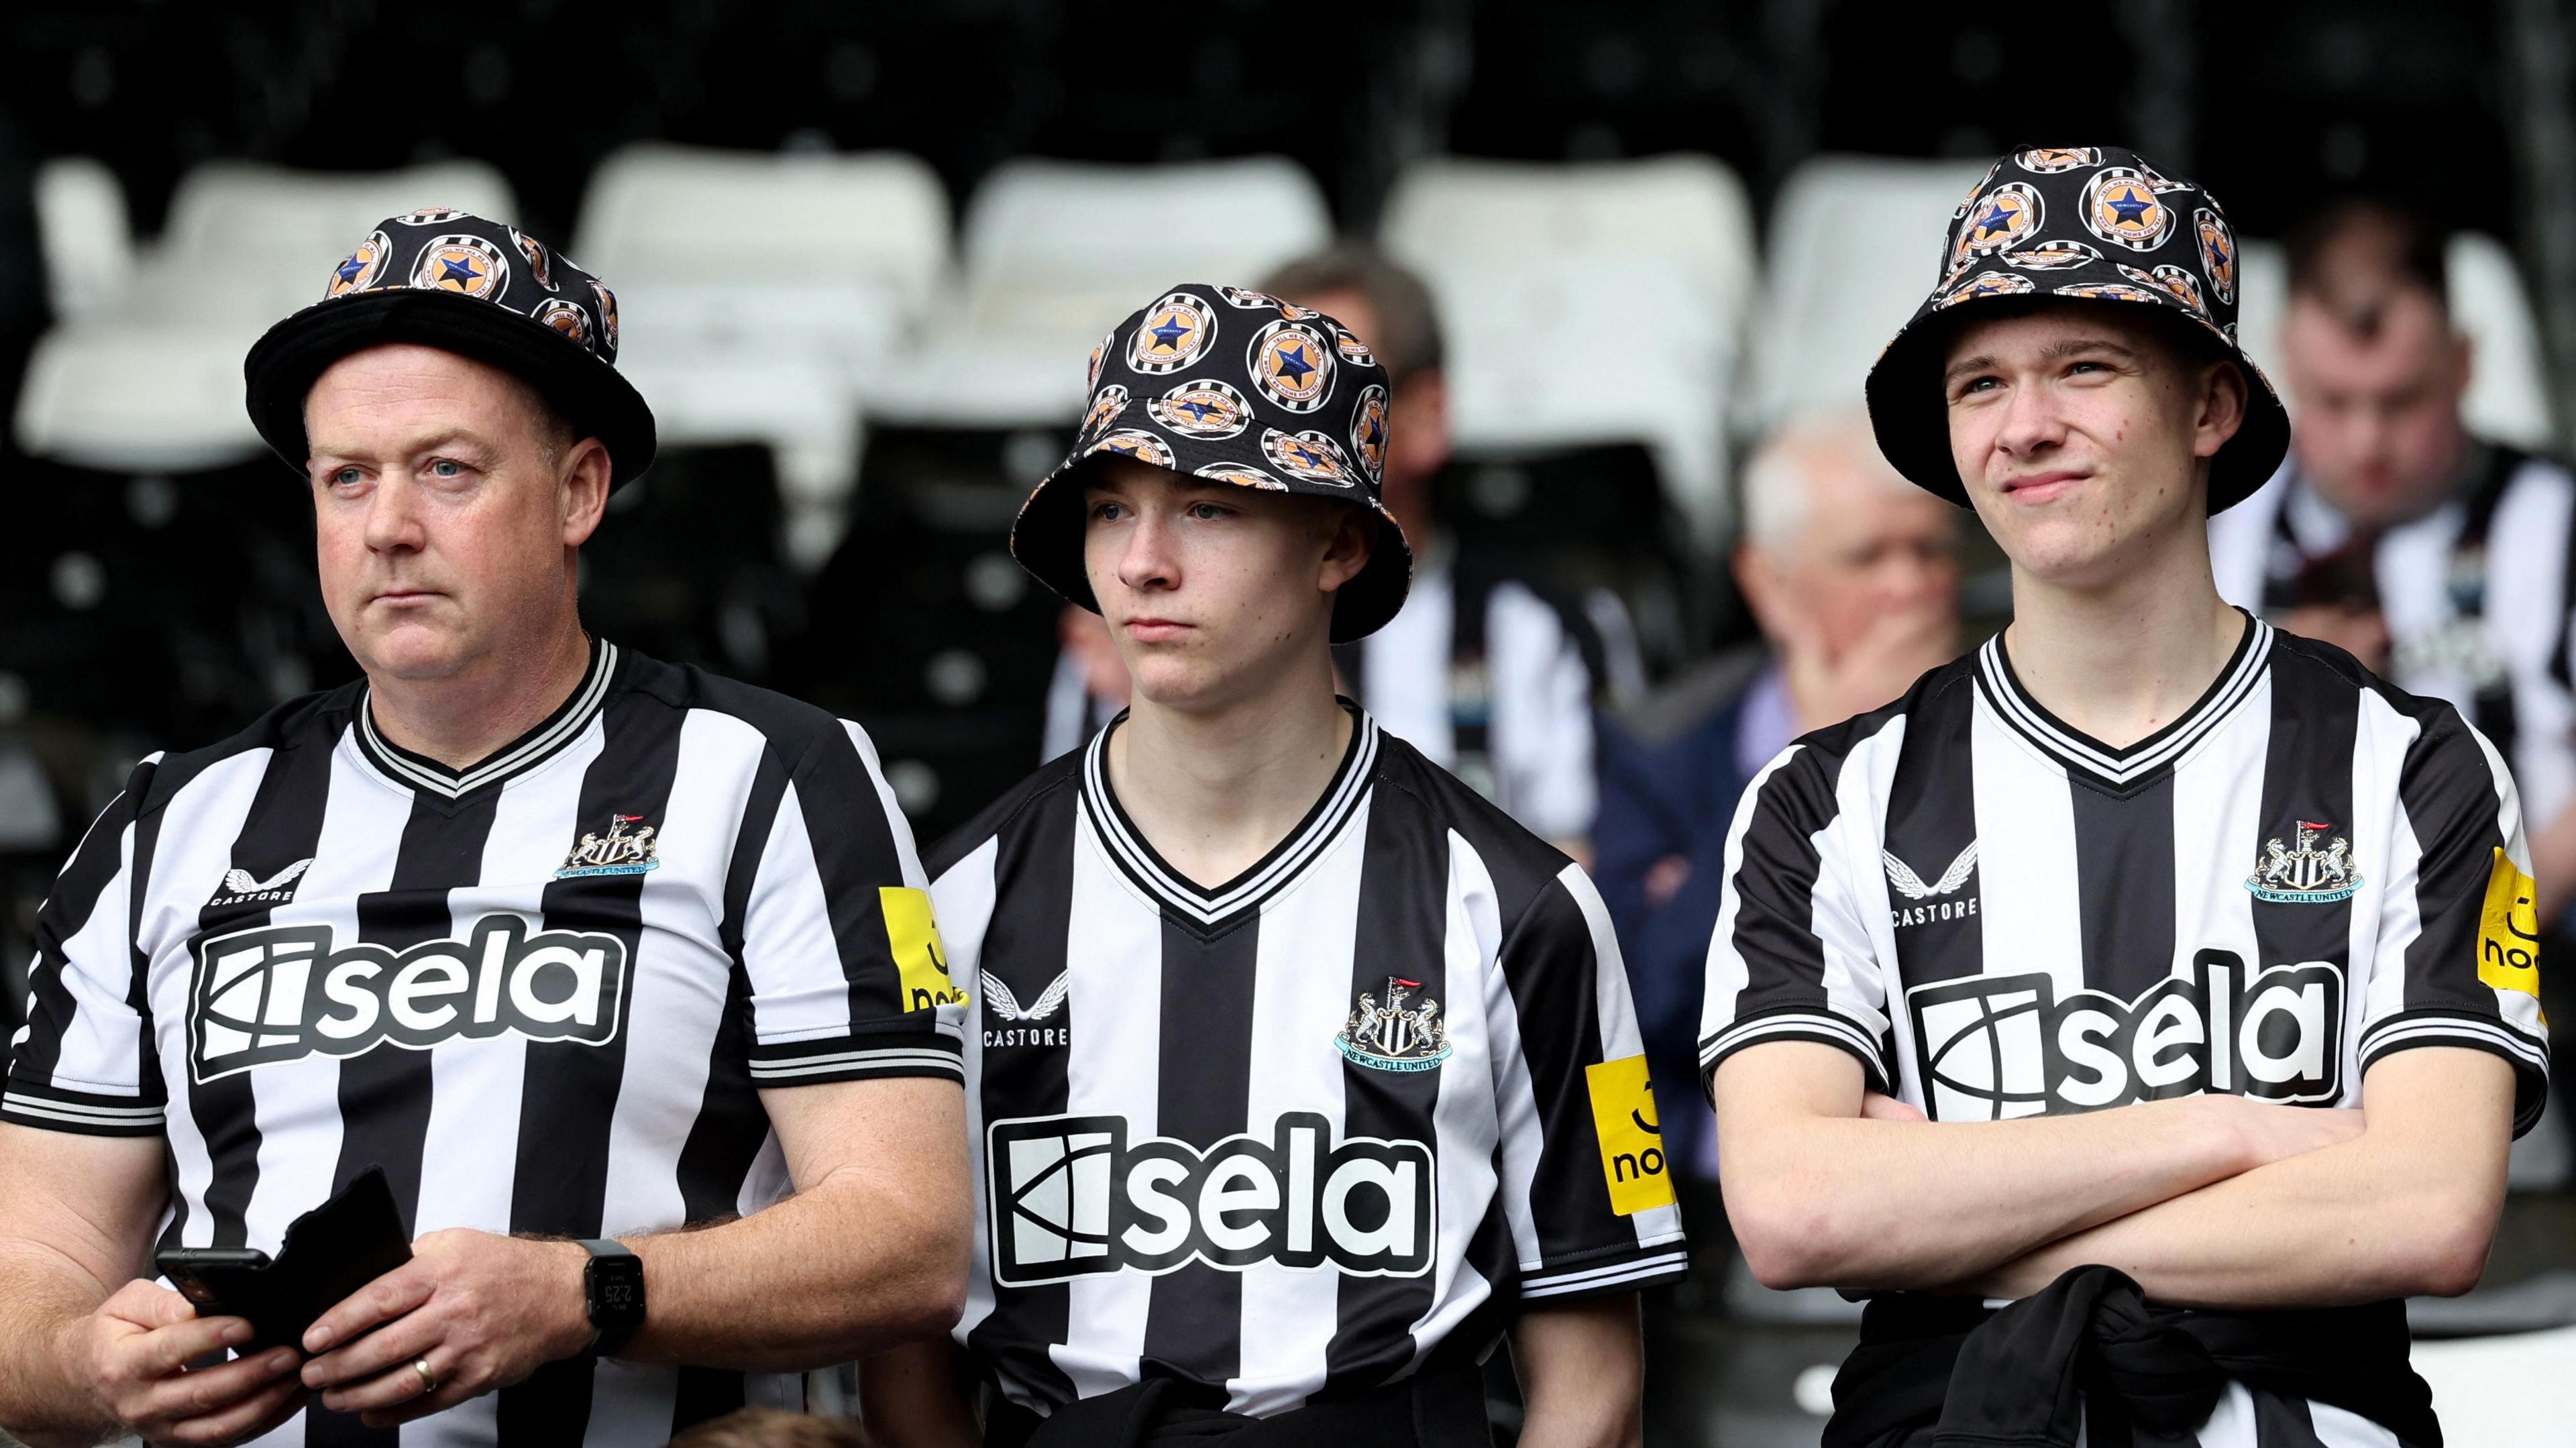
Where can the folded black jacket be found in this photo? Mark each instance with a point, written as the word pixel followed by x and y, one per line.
pixel 2028 1375
pixel 1441 1408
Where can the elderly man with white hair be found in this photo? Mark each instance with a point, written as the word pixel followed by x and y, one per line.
pixel 1850 572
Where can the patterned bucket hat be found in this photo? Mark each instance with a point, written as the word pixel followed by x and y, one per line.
pixel 478 288
pixel 1239 387
pixel 2091 223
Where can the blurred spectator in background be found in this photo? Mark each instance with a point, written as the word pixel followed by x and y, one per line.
pixel 1851 574
pixel 2440 559
pixel 1486 671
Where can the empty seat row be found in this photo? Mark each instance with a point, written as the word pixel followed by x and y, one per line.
pixel 793 299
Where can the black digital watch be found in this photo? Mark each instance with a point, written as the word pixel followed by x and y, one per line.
pixel 612 1289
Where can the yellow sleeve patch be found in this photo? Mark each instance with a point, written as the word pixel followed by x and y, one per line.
pixel 2509 930
pixel 913 935
pixel 1632 1144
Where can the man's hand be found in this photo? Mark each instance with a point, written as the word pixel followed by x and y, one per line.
pixel 1827 686
pixel 482 1311
pixel 135 1349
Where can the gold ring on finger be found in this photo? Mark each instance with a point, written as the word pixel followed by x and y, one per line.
pixel 428 1379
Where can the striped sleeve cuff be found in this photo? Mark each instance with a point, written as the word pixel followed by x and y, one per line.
pixel 1624 1269
pixel 52 1108
pixel 858 1058
pixel 1796 1024
pixel 2528 1054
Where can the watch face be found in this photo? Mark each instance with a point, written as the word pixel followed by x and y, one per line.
pixel 616 1289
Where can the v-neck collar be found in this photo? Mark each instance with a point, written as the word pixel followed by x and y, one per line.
pixel 1207 907
pixel 2123 769
pixel 529 750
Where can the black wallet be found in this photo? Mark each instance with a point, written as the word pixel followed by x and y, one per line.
pixel 327 1254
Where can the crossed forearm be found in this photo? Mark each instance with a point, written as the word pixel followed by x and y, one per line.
pixel 756 1295
pixel 1840 1201
pixel 2406 1208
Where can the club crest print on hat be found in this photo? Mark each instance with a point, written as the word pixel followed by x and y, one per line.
pixel 482 289
pixel 1177 332
pixel 1292 366
pixel 2090 224
pixel 1242 388
pixel 2121 207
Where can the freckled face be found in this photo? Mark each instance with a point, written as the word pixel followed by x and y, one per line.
pixel 2080 433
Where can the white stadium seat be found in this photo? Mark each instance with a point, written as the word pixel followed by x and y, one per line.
pixel 2508 398
pixel 152 380
pixel 256 242
pixel 1055 252
pixel 1587 303
pixel 1854 248
pixel 2501 1392
pixel 760 290
pixel 88 242
pixel 1688 209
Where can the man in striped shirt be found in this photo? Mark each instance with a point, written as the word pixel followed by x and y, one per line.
pixel 2150 970
pixel 570 945
pixel 1299 1073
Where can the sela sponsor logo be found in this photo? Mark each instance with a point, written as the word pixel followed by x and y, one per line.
pixel 1070 1196
pixel 1930 902
pixel 282 993
pixel 240 887
pixel 1991 1047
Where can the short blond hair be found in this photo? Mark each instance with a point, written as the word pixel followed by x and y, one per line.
pixel 1778 479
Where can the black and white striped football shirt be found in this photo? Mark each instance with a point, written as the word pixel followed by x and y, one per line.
pixel 2001 917
pixel 1304 1133
pixel 2476 594
pixel 543 994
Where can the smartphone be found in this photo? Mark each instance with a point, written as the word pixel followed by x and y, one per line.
pixel 203 1273
pixel 325 1255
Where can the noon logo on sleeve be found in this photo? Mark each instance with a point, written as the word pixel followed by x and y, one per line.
pixel 1632 1141
pixel 2509 930
pixel 912 933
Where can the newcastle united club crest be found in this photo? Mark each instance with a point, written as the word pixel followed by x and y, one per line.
pixel 624 850
pixel 2306 873
pixel 1384 1033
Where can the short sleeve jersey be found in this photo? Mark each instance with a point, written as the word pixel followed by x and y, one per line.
pixel 543 994
pixel 1333 1122
pixel 1998 916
